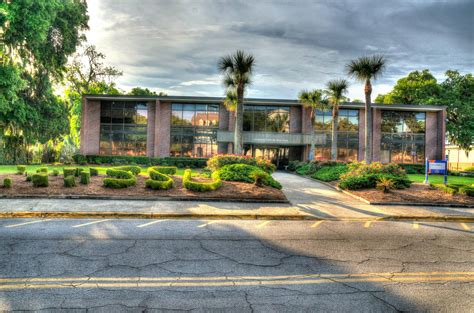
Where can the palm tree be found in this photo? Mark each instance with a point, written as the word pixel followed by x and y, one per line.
pixel 314 101
pixel 230 101
pixel 366 69
pixel 237 70
pixel 335 91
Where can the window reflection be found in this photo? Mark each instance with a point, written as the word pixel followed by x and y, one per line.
pixel 123 128
pixel 261 118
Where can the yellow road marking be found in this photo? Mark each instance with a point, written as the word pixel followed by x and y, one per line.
pixel 208 223
pixel 154 282
pixel 416 225
pixel 263 224
pixel 150 223
pixel 317 224
pixel 464 225
pixel 28 223
pixel 367 224
pixel 90 223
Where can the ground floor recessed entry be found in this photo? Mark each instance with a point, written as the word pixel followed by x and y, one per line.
pixel 279 155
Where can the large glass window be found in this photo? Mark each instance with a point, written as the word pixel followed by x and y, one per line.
pixel 194 129
pixel 347 134
pixel 261 118
pixel 403 137
pixel 123 128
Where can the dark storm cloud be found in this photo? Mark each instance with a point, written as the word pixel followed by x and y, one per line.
pixel 175 45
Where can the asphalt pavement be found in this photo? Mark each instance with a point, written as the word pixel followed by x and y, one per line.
pixel 123 265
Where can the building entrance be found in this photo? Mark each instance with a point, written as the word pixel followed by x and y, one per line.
pixel 278 155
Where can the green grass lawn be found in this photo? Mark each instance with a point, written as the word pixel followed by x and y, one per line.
pixel 11 169
pixel 439 179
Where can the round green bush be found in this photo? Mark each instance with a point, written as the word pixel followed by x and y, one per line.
pixel 20 169
pixel 7 182
pixel 78 172
pixel 119 179
pixel 28 177
pixel 69 171
pixel 40 180
pixel 246 173
pixel 85 178
pixel 42 170
pixel 55 172
pixel 201 186
pixel 219 161
pixel 94 171
pixel 70 181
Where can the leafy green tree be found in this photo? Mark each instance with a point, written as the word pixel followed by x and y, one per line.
pixel 365 70
pixel 237 69
pixel 416 88
pixel 313 100
pixel 38 38
pixel 357 101
pixel 335 91
pixel 138 91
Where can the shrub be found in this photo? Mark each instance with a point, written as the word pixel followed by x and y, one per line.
pixel 55 172
pixel 85 178
pixel 70 181
pixel 42 170
pixel 141 160
pixel 78 172
pixel 445 188
pixel 245 173
pixel 40 180
pixel 20 169
pixel 69 171
pixel 7 182
pixel 467 190
pixel 361 175
pixel 309 168
pixel 219 161
pixel 119 179
pixel 28 177
pixel 385 184
pixel 134 169
pixel 330 173
pixel 469 169
pixel 158 181
pixel 201 186
pixel 168 170
pixel 413 168
pixel 94 171
pixel 259 177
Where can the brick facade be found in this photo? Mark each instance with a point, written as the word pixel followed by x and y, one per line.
pixel 431 136
pixel 376 134
pixel 150 130
pixel 361 153
pixel 90 127
pixel 162 129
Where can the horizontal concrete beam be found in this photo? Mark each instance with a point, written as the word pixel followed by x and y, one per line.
pixel 268 138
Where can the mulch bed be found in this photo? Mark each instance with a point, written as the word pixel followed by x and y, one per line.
pixel 417 193
pixel 229 190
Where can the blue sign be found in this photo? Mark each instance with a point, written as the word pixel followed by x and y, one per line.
pixel 439 167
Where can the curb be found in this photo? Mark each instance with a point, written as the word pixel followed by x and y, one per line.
pixel 146 215
pixel 433 204
pixel 134 198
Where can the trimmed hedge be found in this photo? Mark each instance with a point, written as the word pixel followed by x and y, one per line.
pixel 94 171
pixel 134 169
pixel 467 190
pixel 28 177
pixel 7 182
pixel 452 190
pixel 55 173
pixel 21 169
pixel 168 170
pixel 42 170
pixel 219 161
pixel 70 181
pixel 330 173
pixel 141 160
pixel 246 173
pixel 40 180
pixel 119 179
pixel 413 168
pixel 69 171
pixel 200 186
pixel 158 181
pixel 364 176
pixel 78 171
pixel 85 178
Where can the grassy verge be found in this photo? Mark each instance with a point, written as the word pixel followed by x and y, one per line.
pixel 439 179
pixel 11 169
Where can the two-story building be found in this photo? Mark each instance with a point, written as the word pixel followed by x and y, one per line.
pixel 280 130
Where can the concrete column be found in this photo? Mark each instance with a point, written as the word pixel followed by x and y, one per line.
pixel 431 136
pixel 150 130
pixel 360 156
pixel 90 127
pixel 295 119
pixel 222 147
pixel 162 129
pixel 376 134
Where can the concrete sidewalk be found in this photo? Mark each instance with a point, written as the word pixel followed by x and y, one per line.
pixel 309 200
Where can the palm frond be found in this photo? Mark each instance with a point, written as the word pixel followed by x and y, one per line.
pixel 230 101
pixel 226 64
pixel 337 88
pixel 366 67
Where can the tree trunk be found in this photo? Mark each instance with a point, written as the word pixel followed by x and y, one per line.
pixel 239 119
pixel 368 122
pixel 335 115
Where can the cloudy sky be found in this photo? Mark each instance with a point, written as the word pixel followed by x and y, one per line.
pixel 174 46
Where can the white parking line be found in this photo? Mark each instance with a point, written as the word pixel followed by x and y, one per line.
pixel 263 224
pixel 27 223
pixel 416 225
pixel 150 223
pixel 367 224
pixel 465 226
pixel 316 224
pixel 90 223
pixel 208 223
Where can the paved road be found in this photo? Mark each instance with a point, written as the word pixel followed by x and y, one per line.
pixel 235 266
